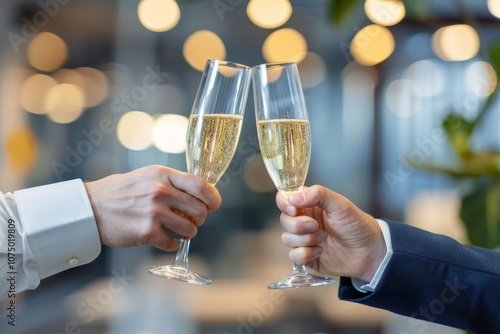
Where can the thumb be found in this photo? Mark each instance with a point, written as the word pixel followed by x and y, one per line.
pixel 319 196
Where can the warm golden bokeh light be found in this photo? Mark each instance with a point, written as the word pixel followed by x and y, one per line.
pixel 456 42
pixel 312 70
pixel 95 85
pixel 481 79
pixel 494 7
pixel 158 15
pixel 385 12
pixel 269 14
pixel 70 76
pixel 47 52
pixel 34 92
pixel 21 148
pixel 64 103
pixel 169 133
pixel 203 45
pixel 134 130
pixel 372 45
pixel 284 45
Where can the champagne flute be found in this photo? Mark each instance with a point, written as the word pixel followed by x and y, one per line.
pixel 285 142
pixel 212 137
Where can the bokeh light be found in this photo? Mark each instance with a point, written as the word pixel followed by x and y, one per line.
pixel 158 15
pixel 256 176
pixel 480 78
pixel 401 98
pixel 269 14
pixel 372 45
pixel 312 70
pixel 47 52
pixel 64 103
pixel 359 80
pixel 427 76
pixel 95 85
pixel 34 92
pixel 70 76
pixel 134 130
pixel 21 148
pixel 169 133
pixel 284 45
pixel 494 7
pixel 385 12
pixel 456 42
pixel 203 45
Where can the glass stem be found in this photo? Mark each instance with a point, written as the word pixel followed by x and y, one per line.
pixel 299 270
pixel 181 258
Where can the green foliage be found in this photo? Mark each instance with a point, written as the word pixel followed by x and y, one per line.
pixel 341 9
pixel 480 207
pixel 481 213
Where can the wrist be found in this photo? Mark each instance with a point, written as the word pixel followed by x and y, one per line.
pixel 376 254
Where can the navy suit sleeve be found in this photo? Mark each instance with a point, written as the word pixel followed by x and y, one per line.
pixel 434 278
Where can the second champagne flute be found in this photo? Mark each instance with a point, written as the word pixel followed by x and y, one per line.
pixel 285 142
pixel 212 137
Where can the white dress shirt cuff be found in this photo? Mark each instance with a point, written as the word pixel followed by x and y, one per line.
pixel 364 286
pixel 60 226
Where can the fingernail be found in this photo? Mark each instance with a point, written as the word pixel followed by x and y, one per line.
pixel 289 210
pixel 311 226
pixel 318 250
pixel 322 237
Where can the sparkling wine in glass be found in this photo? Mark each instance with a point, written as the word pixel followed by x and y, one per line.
pixel 212 137
pixel 285 142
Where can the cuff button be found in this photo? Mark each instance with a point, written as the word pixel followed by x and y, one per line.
pixel 73 261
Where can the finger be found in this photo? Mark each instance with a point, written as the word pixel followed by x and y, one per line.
pixel 295 240
pixel 195 186
pixel 286 207
pixel 171 198
pixel 320 196
pixel 179 224
pixel 158 237
pixel 298 225
pixel 189 207
pixel 304 255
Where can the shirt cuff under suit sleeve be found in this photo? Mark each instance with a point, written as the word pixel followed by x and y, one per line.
pixel 60 226
pixel 363 286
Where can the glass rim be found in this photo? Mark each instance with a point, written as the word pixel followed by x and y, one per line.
pixel 228 63
pixel 275 64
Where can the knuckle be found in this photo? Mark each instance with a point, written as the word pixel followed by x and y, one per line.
pixel 192 231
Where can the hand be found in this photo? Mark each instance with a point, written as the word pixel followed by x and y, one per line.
pixel 330 234
pixel 139 207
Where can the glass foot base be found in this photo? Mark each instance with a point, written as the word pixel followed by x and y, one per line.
pixel 301 280
pixel 179 273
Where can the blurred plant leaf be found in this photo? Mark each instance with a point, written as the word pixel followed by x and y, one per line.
pixel 417 9
pixel 480 212
pixel 340 10
pixel 457 128
pixel 458 131
pixel 484 163
pixel 494 54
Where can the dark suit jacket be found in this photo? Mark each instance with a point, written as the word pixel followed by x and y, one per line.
pixel 434 278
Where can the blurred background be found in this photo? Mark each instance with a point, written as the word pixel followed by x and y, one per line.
pixel 405 119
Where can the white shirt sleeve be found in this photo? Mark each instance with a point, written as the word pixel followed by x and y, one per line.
pixel 364 286
pixel 43 231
